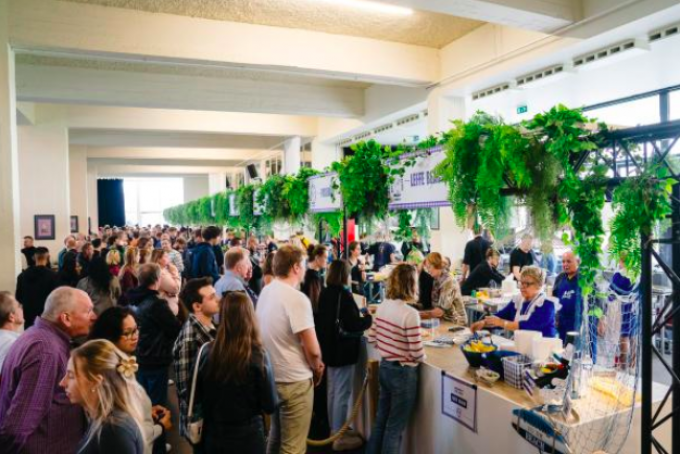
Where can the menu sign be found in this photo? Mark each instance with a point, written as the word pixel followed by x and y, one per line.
pixel 459 401
pixel 419 187
pixel 233 205
pixel 323 198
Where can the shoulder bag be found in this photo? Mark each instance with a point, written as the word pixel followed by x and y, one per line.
pixel 195 422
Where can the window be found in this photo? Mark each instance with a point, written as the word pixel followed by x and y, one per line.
pixel 638 112
pixel 145 199
pixel 274 165
pixel 674 100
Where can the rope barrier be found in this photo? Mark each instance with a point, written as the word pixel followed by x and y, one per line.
pixel 353 414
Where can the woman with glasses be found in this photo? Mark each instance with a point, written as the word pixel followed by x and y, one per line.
pixel 531 310
pixel 447 300
pixel 118 325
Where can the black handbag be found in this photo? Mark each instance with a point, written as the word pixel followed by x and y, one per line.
pixel 342 333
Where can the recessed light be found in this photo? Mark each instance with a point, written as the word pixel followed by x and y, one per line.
pixel 372 6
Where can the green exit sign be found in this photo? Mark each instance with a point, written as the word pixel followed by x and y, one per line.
pixel 522 109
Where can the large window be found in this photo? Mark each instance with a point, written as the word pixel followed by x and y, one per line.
pixel 146 198
pixel 674 99
pixel 627 114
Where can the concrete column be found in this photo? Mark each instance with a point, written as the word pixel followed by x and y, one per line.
pixel 78 185
pixel 323 154
pixel 44 180
pixel 197 186
pixel 10 232
pixel 450 239
pixel 291 155
pixel 92 200
pixel 217 182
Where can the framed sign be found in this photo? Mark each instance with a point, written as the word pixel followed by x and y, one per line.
pixel 323 197
pixel 459 401
pixel 44 227
pixel 74 224
pixel 419 188
pixel 233 205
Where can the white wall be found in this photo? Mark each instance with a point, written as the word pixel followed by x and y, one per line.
pixel 78 185
pixel 44 180
pixel 196 187
pixel 92 197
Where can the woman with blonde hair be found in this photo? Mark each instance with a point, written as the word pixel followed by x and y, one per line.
pixel 128 274
pixel 396 334
pixel 113 260
pixel 530 310
pixel 171 281
pixel 101 378
pixel 447 301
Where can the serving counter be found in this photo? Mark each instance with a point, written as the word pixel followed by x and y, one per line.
pixel 486 426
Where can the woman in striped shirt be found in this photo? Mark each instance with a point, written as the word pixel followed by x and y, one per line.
pixel 396 334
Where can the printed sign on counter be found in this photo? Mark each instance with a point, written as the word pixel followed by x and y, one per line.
pixel 459 401
pixel 419 188
pixel 322 197
pixel 233 205
pixel 258 208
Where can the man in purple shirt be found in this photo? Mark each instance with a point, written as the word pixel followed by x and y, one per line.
pixel 35 414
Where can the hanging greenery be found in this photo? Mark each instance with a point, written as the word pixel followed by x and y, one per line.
pixel 272 197
pixel 404 232
pixel 333 221
pixel 296 191
pixel 244 198
pixel 639 203
pixel 365 179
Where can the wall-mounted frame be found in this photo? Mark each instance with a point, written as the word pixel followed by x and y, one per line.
pixel 44 226
pixel 74 224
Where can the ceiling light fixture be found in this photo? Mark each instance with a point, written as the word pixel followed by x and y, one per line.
pixel 373 6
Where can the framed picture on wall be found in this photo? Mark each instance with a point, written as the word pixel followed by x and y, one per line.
pixel 44 226
pixel 74 224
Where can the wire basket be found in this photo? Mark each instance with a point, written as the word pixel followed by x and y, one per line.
pixel 514 368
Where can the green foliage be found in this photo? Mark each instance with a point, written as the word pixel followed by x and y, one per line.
pixel 296 190
pixel 639 203
pixel 333 221
pixel 404 231
pixel 272 197
pixel 244 198
pixel 365 179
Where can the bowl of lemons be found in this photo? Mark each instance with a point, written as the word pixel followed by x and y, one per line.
pixel 474 349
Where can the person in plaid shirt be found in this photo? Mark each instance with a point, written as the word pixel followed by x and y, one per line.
pixel 201 300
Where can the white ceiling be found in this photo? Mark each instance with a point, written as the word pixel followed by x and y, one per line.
pixel 421 28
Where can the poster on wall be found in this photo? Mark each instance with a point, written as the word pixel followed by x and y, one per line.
pixel 323 198
pixel 43 226
pixel 258 208
pixel 233 205
pixel 419 188
pixel 459 401
pixel 74 224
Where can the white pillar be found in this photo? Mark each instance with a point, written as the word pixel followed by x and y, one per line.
pixel 10 242
pixel 92 198
pixel 449 239
pixel 78 185
pixel 323 154
pixel 44 180
pixel 291 155
pixel 217 182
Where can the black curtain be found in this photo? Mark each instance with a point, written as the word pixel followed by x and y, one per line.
pixel 111 201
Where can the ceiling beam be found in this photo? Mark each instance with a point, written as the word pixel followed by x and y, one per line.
pixel 163 139
pixel 206 155
pixel 55 84
pixel 49 25
pixel 132 119
pixel 119 170
pixel 537 15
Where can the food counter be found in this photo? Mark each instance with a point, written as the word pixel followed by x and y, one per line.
pixel 491 431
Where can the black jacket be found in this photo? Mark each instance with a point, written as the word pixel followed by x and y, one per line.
pixel 339 351
pixel 29 253
pixel 204 263
pixel 33 286
pixel 226 404
pixel 481 276
pixel 158 327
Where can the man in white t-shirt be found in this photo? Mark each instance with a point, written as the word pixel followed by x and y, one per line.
pixel 287 326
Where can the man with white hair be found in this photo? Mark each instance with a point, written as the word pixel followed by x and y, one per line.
pixel 11 323
pixel 239 269
pixel 36 415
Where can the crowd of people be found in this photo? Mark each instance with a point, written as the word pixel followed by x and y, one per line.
pixel 243 329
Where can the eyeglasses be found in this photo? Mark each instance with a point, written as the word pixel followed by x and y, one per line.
pixel 526 283
pixel 130 334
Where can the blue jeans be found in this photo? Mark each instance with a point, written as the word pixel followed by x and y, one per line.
pixel 398 391
pixel 339 394
pixel 155 383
